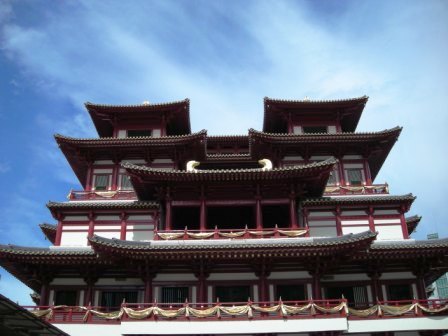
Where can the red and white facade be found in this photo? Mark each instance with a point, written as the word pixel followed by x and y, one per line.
pixel 278 232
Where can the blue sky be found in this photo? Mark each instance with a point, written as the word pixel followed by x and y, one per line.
pixel 225 56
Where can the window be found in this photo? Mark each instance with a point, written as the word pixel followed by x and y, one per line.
pixel 65 298
pixel 232 293
pixel 355 295
pixel 290 292
pixel 174 294
pixel 315 129
pixel 125 182
pixel 399 292
pixel 354 176
pixel 101 182
pixel 139 133
pixel 115 299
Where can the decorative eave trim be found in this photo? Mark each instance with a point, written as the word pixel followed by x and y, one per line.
pixel 230 174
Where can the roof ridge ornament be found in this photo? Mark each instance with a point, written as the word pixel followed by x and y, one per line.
pixel 191 166
pixel 266 164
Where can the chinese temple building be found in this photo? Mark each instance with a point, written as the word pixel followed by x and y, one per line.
pixel 278 232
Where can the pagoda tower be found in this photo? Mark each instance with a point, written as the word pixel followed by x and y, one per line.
pixel 282 231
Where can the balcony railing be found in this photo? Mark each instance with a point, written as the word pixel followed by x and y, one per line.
pixel 101 195
pixel 228 234
pixel 357 190
pixel 310 309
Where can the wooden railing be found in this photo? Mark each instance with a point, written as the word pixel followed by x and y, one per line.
pixel 310 309
pixel 101 195
pixel 357 190
pixel 245 233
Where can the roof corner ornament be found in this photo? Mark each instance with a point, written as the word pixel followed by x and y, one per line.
pixel 266 164
pixel 191 166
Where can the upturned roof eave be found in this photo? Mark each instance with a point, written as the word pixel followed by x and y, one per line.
pixel 104 129
pixel 97 242
pixel 351 103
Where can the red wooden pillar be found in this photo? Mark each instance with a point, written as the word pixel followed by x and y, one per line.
pixel 305 221
pixel 377 292
pixel 91 225
pixel 370 212
pixel 421 288
pixel 89 176
pixel 258 213
pixel 404 226
pixel 293 213
pixel 203 216
pixel 58 238
pixel 148 296
pixel 263 288
pixel 89 293
pixel 115 173
pixel 317 289
pixel 43 301
pixel 367 172
pixel 123 216
pixel 168 215
pixel 338 221
pixel 341 172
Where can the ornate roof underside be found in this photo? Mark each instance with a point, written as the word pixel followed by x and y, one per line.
pixel 176 114
pixel 375 146
pixel 147 181
pixel 412 223
pixel 277 111
pixel 49 231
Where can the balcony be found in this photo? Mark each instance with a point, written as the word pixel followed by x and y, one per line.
pixel 373 189
pixel 240 311
pixel 229 234
pixel 75 195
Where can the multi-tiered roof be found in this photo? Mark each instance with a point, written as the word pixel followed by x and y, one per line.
pixel 142 212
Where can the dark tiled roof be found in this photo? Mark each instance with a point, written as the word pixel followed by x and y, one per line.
pixel 134 141
pixel 141 106
pixel 230 174
pixel 103 205
pixel 233 244
pixel 19 321
pixel 410 244
pixel 49 231
pixel 362 99
pixel 274 107
pixel 348 200
pixel 103 126
pixel 44 251
pixel 324 137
